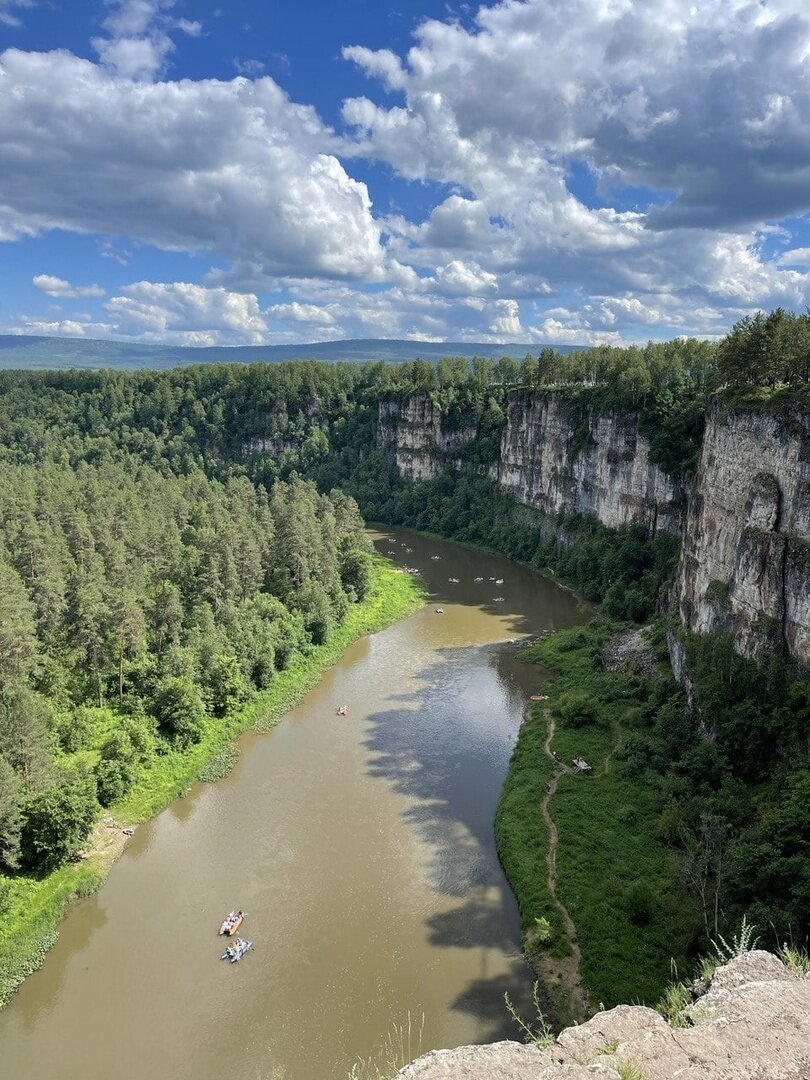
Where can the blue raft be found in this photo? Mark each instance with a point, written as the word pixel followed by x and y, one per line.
pixel 237 950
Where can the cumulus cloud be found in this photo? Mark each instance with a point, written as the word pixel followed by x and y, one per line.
pixel 605 171
pixel 710 100
pixel 187 313
pixel 138 44
pixel 233 167
pixel 702 112
pixel 795 257
pixel 63 290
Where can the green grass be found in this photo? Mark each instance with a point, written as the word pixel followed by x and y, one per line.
pixel 615 876
pixel 522 838
pixel 30 907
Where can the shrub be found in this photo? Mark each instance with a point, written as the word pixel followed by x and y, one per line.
pixel 180 711
pixel 57 820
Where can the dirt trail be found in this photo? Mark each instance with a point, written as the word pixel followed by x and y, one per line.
pixel 563 972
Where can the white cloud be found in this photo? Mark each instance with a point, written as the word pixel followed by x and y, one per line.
pixel 708 105
pixel 157 311
pixel 250 68
pixel 795 257
pixel 605 169
pixel 296 312
pixel 62 327
pixel 7 16
pixel 63 290
pixel 381 63
pixel 139 45
pixel 234 167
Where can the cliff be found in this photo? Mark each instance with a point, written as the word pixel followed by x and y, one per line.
pixel 746 545
pixel 558 458
pixel 417 434
pixel 752 1023
pixel 554 457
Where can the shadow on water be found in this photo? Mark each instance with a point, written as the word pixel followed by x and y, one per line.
pixel 435 749
pixel 446 747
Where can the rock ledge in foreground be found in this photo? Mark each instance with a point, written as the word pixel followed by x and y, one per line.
pixel 753 1023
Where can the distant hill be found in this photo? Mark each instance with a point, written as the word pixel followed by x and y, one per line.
pixel 19 351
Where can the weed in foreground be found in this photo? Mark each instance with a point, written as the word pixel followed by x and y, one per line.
pixel 671 1006
pixel 630 1070
pixel 795 960
pixel 402 1044
pixel 743 942
pixel 535 1031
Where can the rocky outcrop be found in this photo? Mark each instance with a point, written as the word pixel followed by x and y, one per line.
pixel 415 431
pixel 753 1023
pixel 745 560
pixel 558 458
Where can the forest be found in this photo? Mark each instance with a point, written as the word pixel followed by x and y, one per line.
pixel 138 609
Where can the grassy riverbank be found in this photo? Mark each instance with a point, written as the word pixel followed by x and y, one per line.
pixel 616 875
pixel 31 907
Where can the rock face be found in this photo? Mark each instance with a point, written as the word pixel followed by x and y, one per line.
pixel 416 433
pixel 745 560
pixel 753 1023
pixel 550 460
pixel 596 464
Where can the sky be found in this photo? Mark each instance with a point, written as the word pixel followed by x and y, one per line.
pixel 198 172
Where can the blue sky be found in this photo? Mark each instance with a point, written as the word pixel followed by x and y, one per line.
pixel 533 170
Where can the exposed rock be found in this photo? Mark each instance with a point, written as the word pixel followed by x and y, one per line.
pixel 745 560
pixel 594 464
pixel 415 431
pixel 629 647
pixel 497 1061
pixel 752 1024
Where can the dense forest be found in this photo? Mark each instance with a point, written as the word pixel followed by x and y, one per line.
pixel 169 541
pixel 137 609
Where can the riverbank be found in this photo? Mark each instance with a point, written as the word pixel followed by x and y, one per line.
pixel 615 875
pixel 31 908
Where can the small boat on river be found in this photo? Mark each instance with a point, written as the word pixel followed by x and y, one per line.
pixel 237 950
pixel 342 710
pixel 231 922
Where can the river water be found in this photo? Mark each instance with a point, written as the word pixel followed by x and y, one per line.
pixel 361 847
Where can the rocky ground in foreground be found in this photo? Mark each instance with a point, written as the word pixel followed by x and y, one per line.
pixel 753 1023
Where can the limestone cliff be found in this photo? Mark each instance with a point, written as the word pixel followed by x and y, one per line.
pixel 753 1023
pixel 745 561
pixel 416 432
pixel 553 458
pixel 557 458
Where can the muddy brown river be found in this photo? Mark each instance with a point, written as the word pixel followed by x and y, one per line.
pixel 361 847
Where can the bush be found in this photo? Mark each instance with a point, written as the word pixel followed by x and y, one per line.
pixel 640 901
pixel 577 709
pixel 179 710
pixel 57 820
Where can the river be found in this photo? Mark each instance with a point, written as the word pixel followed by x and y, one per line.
pixel 361 847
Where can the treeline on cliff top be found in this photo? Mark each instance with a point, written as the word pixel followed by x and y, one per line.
pixel 138 610
pixel 211 415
